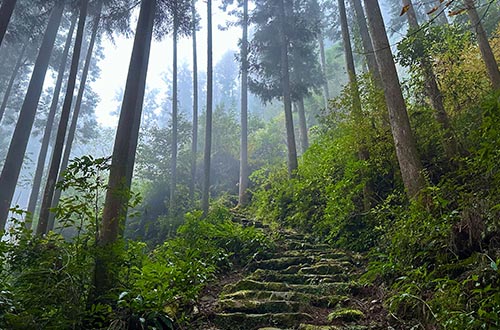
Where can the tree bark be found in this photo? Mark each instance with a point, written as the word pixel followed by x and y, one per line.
pixel 484 45
pixel 304 140
pixel 173 172
pixel 450 144
pixel 406 149
pixel 366 40
pixel 76 112
pixel 19 141
pixel 287 99
pixel 128 129
pixel 37 180
pixel 122 164
pixel 15 72
pixel 208 125
pixel 6 11
pixel 63 125
pixel 363 153
pixel 243 196
pixel 326 88
pixel 194 141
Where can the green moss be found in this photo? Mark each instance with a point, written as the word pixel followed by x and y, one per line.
pixel 346 314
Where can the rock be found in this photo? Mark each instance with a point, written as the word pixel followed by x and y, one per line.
pixel 346 314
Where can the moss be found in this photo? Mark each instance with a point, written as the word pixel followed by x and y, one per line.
pixel 346 314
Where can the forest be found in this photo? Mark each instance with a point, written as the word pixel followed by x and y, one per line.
pixel 252 165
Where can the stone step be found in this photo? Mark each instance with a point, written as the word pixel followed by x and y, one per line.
pixel 242 321
pixel 265 275
pixel 312 299
pixel 262 307
pixel 333 327
pixel 300 245
pixel 331 267
pixel 281 263
pixel 339 288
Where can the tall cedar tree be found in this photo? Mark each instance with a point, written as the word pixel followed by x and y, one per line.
pixel 484 45
pixel 404 141
pixel 123 158
pixel 244 171
pixel 63 124
pixel 76 111
pixel 19 63
pixel 432 89
pixel 6 11
pixel 366 41
pixel 19 141
pixel 42 155
pixel 285 37
pixel 194 141
pixel 205 197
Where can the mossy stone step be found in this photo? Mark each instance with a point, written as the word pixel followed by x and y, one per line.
pixel 318 289
pixel 262 306
pixel 265 275
pixel 242 321
pixel 281 263
pixel 333 327
pixel 312 299
pixel 325 268
pixel 300 245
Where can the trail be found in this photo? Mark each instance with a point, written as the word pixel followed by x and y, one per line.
pixel 304 285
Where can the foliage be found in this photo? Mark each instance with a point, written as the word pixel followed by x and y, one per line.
pixel 174 273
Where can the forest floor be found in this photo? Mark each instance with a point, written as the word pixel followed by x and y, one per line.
pixel 302 284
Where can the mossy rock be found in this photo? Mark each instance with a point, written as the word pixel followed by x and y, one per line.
pixel 329 268
pixel 300 245
pixel 297 278
pixel 281 263
pixel 317 289
pixel 346 314
pixel 261 307
pixel 242 321
pixel 332 327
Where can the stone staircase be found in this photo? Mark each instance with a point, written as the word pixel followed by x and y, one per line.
pixel 303 285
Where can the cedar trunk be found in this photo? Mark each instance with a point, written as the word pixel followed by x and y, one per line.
pixel 287 99
pixel 205 201
pixel 484 45
pixel 326 88
pixel 406 149
pixel 366 40
pixel 15 72
pixel 243 196
pixel 173 173
pixel 6 11
pixel 76 113
pixel 433 92
pixel 301 111
pixel 19 141
pixel 63 125
pixel 37 180
pixel 194 142
pixel 120 176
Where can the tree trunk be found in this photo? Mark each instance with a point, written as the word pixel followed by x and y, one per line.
pixel 63 125
pixel 484 45
pixel 194 142
pixel 15 72
pixel 208 125
pixel 304 140
pixel 76 112
pixel 406 149
pixel 173 173
pixel 363 153
pixel 19 142
pixel 120 176
pixel 366 40
pixel 287 99
pixel 6 11
pixel 37 180
pixel 243 196
pixel 433 92
pixel 326 88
